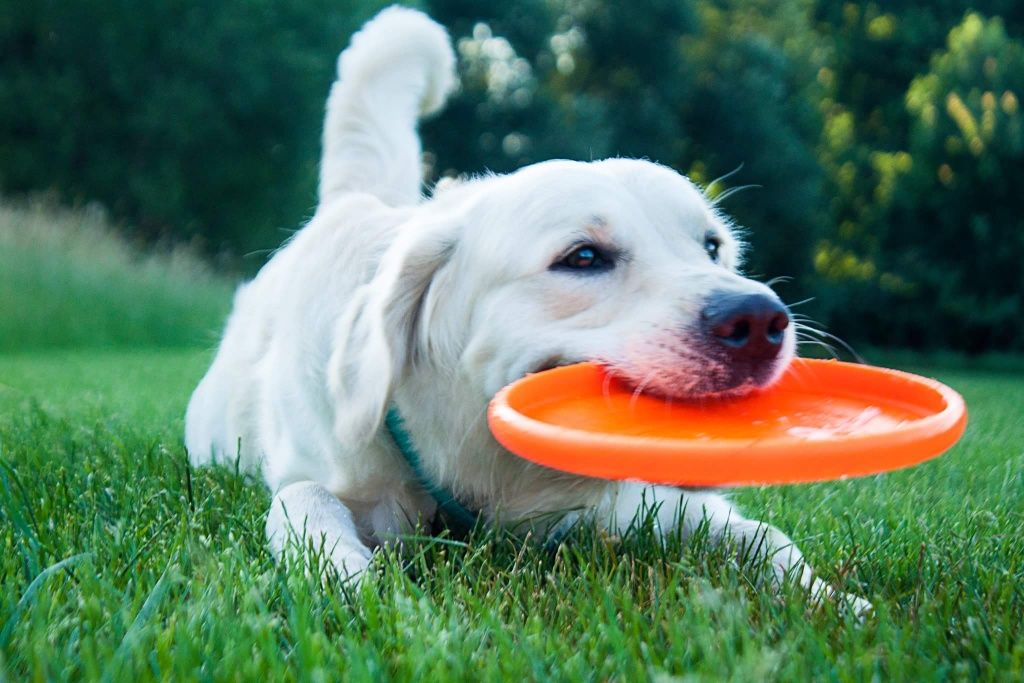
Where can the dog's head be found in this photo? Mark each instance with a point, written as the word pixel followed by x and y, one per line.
pixel 621 262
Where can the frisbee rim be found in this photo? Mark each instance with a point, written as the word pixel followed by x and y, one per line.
pixel 752 461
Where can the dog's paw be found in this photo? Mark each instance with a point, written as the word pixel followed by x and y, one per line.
pixel 350 563
pixel 848 603
pixel 856 606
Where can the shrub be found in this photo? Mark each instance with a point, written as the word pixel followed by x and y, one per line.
pixel 183 118
pixel 67 280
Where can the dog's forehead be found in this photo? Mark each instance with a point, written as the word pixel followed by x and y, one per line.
pixel 668 197
pixel 611 197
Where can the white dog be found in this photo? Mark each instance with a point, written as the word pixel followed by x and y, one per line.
pixel 386 301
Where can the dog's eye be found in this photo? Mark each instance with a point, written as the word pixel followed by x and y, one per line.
pixel 712 244
pixel 585 257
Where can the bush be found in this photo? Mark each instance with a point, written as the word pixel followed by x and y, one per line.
pixel 197 120
pixel 888 176
pixel 66 280
pixel 941 263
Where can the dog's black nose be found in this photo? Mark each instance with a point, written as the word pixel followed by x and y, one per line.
pixel 749 326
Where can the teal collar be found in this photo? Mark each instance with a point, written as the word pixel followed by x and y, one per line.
pixel 459 519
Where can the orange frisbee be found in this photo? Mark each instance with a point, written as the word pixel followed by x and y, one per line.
pixel 823 420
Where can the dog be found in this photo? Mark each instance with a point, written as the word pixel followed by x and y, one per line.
pixel 387 302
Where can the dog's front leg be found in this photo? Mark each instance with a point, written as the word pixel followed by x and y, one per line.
pixel 754 540
pixel 305 512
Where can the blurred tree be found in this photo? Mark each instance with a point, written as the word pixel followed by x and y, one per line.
pixel 926 254
pixel 753 104
pixel 508 111
pixel 625 61
pixel 884 153
pixel 187 119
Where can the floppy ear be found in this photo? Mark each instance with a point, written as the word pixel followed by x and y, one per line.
pixel 382 331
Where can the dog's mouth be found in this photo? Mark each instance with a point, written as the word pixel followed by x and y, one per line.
pixel 710 380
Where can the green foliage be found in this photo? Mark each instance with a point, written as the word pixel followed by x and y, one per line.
pixel 186 119
pixel 754 66
pixel 857 120
pixel 962 239
pixel 121 563
pixel 933 259
pixel 67 280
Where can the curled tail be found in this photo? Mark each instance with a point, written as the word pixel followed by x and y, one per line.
pixel 398 67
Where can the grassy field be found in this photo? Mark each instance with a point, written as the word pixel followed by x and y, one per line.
pixel 66 279
pixel 120 563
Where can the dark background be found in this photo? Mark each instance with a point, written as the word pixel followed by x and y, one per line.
pixel 886 140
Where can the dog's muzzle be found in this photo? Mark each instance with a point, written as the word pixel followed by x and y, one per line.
pixel 745 334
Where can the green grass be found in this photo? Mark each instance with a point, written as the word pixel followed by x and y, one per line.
pixel 120 563
pixel 67 280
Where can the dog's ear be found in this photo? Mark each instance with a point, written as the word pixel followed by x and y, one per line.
pixel 383 330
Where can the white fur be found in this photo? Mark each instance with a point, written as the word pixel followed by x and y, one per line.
pixel 435 305
pixel 399 66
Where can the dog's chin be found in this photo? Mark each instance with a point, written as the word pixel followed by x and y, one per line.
pixel 712 381
pixel 743 390
pixel 707 382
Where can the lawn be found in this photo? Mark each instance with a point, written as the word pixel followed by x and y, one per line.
pixel 120 563
pixel 68 279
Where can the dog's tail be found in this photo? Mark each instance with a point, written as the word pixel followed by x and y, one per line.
pixel 398 67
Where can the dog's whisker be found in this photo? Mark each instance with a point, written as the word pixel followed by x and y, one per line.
pixel 722 178
pixel 809 335
pixel 813 342
pixel 801 302
pixel 640 388
pixel 778 279
pixel 734 190
pixel 806 324
pixel 606 387
pixel 853 352
pixel 804 327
